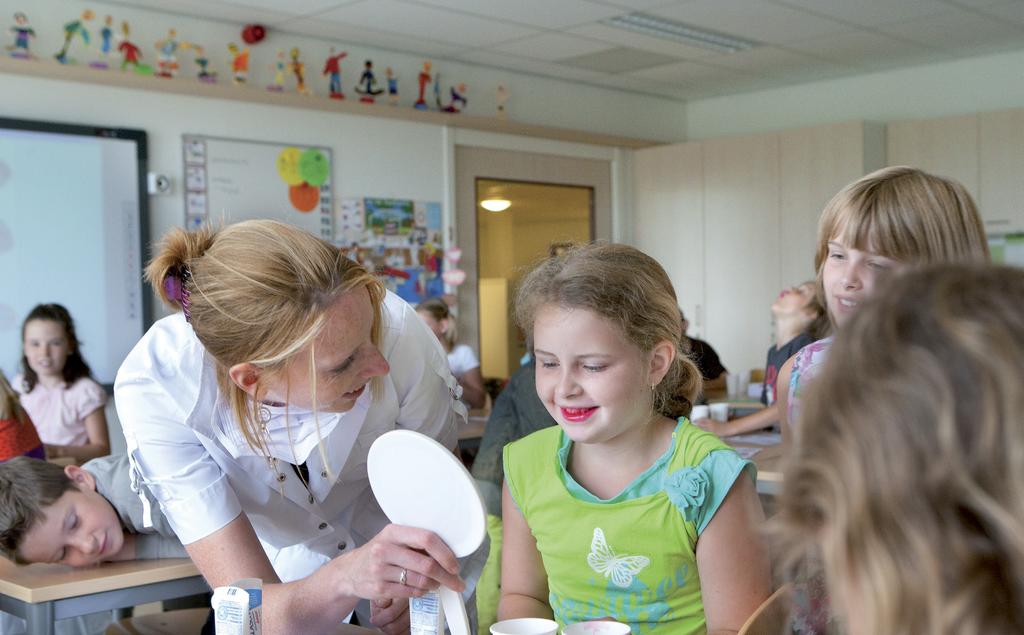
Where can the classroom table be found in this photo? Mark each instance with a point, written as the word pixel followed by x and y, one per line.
pixel 42 593
pixel 768 460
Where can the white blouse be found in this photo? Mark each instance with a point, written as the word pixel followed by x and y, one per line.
pixel 186 446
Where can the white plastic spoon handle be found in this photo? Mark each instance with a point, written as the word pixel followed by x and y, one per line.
pixel 454 611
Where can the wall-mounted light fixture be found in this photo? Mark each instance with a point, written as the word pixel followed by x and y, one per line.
pixel 496 204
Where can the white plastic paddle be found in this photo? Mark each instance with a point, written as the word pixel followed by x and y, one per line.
pixel 420 483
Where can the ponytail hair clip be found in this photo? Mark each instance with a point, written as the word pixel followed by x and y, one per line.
pixel 175 286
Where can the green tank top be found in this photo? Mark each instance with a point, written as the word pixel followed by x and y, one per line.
pixel 633 557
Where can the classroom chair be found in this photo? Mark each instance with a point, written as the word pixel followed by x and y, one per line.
pixel 180 622
pixel 772 617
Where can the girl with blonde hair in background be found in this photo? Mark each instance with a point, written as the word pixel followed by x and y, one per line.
pixel 256 405
pixel 462 360
pixel 905 480
pixel 624 509
pixel 871 230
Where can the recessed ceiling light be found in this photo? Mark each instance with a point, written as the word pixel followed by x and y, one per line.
pixel 670 30
pixel 496 204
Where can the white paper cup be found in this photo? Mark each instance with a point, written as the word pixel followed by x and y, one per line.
pixel 720 411
pixel 700 412
pixel 525 626
pixel 596 628
pixel 732 384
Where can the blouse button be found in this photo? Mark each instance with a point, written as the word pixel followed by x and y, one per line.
pixel 281 477
pixel 342 545
pixel 323 526
pixel 323 474
pixel 311 499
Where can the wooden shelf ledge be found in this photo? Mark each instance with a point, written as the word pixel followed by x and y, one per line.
pixel 183 85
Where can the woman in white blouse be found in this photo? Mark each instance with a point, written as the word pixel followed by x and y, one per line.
pixel 249 415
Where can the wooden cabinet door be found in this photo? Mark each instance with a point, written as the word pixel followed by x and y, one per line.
pixel 946 146
pixel 814 164
pixel 669 220
pixel 741 242
pixel 1002 171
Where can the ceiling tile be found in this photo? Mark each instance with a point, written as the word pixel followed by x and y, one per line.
pixel 868 50
pixel 349 34
pixel 767 60
pixel 1012 11
pixel 955 30
pixel 869 12
pixel 622 37
pixel 545 14
pixel 424 22
pixel 685 72
pixel 755 20
pixel 292 7
pixel 618 60
pixel 640 5
pixel 552 46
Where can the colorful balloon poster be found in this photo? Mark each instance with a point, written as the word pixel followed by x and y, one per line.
pixel 229 180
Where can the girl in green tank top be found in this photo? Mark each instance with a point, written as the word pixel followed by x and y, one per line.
pixel 624 510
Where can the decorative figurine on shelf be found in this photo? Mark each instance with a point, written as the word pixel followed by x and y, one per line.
pixel 279 67
pixel 239 63
pixel 437 91
pixel 392 86
pixel 106 42
pixel 298 68
pixel 332 69
pixel 203 62
pixel 23 34
pixel 458 102
pixel 167 61
pixel 71 29
pixel 368 84
pixel 501 96
pixel 424 79
pixel 130 51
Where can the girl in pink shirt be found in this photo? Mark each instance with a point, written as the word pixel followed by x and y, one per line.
pixel 57 389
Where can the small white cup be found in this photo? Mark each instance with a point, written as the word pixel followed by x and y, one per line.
pixel 596 628
pixel 700 412
pixel 525 626
pixel 720 411
pixel 732 384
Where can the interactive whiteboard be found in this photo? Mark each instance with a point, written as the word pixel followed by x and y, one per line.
pixel 73 219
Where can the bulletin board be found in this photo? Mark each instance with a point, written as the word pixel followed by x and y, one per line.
pixel 400 240
pixel 231 180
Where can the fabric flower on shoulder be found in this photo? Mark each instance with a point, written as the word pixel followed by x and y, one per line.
pixel 687 488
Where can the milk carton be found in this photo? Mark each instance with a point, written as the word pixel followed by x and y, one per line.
pixel 238 608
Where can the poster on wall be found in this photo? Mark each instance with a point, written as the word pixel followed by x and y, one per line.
pixel 398 239
pixel 1007 249
pixel 231 180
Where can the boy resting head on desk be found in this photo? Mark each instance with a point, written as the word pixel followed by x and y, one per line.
pixel 78 516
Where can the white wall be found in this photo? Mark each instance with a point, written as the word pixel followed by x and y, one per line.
pixel 534 99
pixel 970 85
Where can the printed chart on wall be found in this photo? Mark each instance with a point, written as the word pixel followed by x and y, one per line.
pixel 232 180
pixel 398 239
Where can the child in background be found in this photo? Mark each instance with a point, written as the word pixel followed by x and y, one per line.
pixel 875 226
pixel 906 477
pixel 461 358
pixel 78 516
pixel 798 319
pixel 624 510
pixel 17 434
pixel 57 389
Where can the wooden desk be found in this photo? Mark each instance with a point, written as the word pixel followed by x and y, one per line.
pixel 768 461
pixel 42 593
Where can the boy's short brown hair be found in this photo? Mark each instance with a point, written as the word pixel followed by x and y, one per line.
pixel 27 487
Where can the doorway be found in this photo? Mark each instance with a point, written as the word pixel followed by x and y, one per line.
pixel 512 239
pixel 475 165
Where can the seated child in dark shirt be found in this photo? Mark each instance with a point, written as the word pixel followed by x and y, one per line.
pixel 78 516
